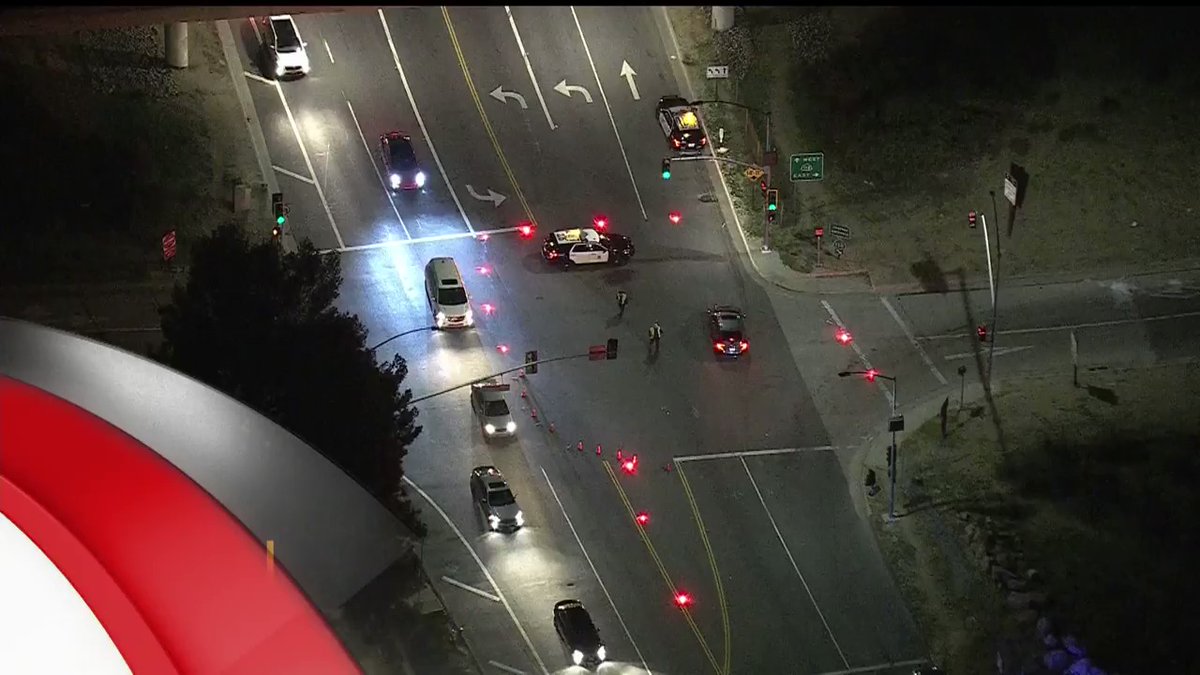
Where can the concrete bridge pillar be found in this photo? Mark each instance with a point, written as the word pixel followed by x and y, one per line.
pixel 176 41
pixel 722 18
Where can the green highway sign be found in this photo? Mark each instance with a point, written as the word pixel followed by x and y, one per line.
pixel 808 166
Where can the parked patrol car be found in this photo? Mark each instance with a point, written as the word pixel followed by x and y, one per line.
pixel 586 246
pixel 680 123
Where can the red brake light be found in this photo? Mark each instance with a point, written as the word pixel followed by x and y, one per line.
pixel 676 142
pixel 745 345
pixel 717 346
pixel 704 140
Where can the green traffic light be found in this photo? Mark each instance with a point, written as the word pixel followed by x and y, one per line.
pixel 666 175
pixel 281 219
pixel 772 206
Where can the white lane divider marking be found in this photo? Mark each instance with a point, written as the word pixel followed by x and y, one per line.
pixel 998 352
pixel 257 78
pixel 328 51
pixel 792 560
pixel 421 122
pixel 589 562
pixel 308 164
pixel 1071 326
pixel 878 667
pixel 537 88
pixel 292 174
pixel 470 589
pixel 608 109
pixel 419 240
pixel 508 669
pixel 887 391
pixel 499 594
pixel 374 165
pixel 912 339
pixel 750 453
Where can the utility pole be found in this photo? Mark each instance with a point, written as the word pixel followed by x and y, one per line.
pixel 766 246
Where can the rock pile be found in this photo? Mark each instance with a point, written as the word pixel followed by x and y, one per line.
pixel 998 553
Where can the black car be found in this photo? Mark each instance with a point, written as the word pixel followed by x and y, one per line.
pixel 586 246
pixel 578 634
pixel 727 331
pixel 400 161
pixel 680 123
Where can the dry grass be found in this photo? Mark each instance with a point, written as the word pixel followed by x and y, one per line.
pixel 1101 494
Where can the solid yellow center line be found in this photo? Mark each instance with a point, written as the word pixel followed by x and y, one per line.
pixel 712 563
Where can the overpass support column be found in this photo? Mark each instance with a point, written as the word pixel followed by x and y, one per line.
pixel 722 18
pixel 176 40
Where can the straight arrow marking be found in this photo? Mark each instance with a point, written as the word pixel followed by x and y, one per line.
pixel 500 95
pixel 566 89
pixel 492 196
pixel 628 72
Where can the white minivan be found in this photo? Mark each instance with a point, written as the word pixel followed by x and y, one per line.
pixel 448 298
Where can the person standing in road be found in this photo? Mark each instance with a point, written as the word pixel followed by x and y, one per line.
pixel 655 336
pixel 622 300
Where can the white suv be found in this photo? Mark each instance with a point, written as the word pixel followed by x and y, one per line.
pixel 285 49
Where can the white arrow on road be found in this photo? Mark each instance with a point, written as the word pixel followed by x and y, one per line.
pixel 500 95
pixel 628 72
pixel 566 89
pixel 492 196
pixel 998 352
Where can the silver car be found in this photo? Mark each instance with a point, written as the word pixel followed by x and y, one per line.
pixel 495 500
pixel 495 419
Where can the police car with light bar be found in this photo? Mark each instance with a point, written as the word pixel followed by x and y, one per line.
pixel 586 246
pixel 680 123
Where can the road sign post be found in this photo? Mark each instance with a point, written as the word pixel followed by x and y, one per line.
pixel 807 166
pixel 716 74
pixel 818 232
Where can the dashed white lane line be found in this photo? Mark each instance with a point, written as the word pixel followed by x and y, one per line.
pixel 420 240
pixel 292 174
pixel 1070 326
pixel 878 667
pixel 421 122
pixel 999 352
pixel 607 108
pixel 887 391
pixel 308 164
pixel 470 589
pixel 792 560
pixel 328 51
pixel 537 88
pixel 913 340
pixel 588 558
pixel 499 594
pixel 374 165
pixel 751 453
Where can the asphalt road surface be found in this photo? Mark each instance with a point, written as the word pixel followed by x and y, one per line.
pixel 525 116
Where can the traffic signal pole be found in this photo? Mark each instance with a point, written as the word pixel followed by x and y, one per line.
pixel 766 246
pixel 501 373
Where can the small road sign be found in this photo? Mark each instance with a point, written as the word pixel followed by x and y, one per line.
pixel 716 72
pixel 753 173
pixel 168 245
pixel 808 166
pixel 1010 189
pixel 840 231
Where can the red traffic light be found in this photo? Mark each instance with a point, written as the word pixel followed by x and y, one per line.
pixel 675 217
pixel 871 374
pixel 526 230
pixel 971 218
pixel 683 599
pixel 762 185
pixel 843 336
pixel 600 222
pixel 982 332
pixel 642 518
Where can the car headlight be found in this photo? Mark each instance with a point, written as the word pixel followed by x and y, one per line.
pixel 601 654
pixel 577 657
pixel 489 428
pixel 510 427
pixel 470 317
pixel 395 180
pixel 440 317
pixel 520 519
pixel 420 178
pixel 494 521
pixel 279 69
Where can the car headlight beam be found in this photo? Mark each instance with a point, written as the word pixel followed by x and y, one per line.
pixel 494 521
pixel 489 428
pixel 395 178
pixel 577 657
pixel 440 317
pixel 510 427
pixel 601 653
pixel 520 519
pixel 420 179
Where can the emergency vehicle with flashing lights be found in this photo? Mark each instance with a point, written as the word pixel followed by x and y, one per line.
pixel 586 246
pixel 680 123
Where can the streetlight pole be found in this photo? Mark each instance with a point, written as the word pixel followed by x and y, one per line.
pixel 894 425
pixel 995 302
pixel 399 335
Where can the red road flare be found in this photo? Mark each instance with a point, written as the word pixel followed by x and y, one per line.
pixel 176 580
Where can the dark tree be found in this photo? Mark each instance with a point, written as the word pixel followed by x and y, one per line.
pixel 260 325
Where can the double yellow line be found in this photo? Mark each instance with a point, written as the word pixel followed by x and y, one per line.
pixel 662 569
pixel 487 125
